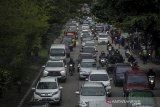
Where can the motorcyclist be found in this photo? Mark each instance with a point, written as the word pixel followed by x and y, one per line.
pixel 131 59
pixel 103 55
pixel 117 51
pixel 71 62
pixel 135 66
pixel 151 73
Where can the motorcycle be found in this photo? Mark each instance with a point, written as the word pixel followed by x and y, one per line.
pixel 71 69
pixel 102 62
pixel 151 81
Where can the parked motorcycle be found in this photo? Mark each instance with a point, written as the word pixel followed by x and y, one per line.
pixel 71 69
pixel 151 81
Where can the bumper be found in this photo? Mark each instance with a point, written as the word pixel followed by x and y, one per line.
pixel 54 99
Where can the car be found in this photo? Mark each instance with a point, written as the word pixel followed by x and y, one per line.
pixel 112 60
pixel 85 67
pixel 99 28
pixel 135 80
pixel 118 73
pixel 90 43
pixel 82 56
pixel 48 90
pixel 68 42
pixel 101 75
pixel 37 104
pixel 85 27
pixel 102 38
pixel 90 49
pixel 59 52
pixel 91 91
pixel 55 68
pixel 141 98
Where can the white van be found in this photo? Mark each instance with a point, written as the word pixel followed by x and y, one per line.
pixel 59 52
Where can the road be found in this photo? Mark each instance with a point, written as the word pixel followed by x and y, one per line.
pixel 70 99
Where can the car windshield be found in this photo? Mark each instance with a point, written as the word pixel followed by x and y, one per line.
pixel 137 79
pixel 89 44
pixel 122 69
pixel 99 28
pixel 103 36
pixel 54 64
pixel 89 49
pixel 86 56
pixel 57 52
pixel 88 64
pixel 93 91
pixel 72 28
pixel 47 85
pixel 99 77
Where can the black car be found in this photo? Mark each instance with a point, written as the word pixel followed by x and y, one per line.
pixel 112 60
pixel 141 98
pixel 118 73
pixel 37 104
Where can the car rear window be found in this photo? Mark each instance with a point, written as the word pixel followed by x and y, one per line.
pixel 122 69
pixel 141 94
pixel 99 77
pixel 137 79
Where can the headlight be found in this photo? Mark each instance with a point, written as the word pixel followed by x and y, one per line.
pixel 82 104
pixel 63 72
pixel 71 65
pixel 45 73
pixel 37 93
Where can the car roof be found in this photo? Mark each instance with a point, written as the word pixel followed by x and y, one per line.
pixel 136 73
pixel 88 60
pixel 123 64
pixel 99 71
pixel 55 61
pixel 48 79
pixel 92 84
pixel 58 46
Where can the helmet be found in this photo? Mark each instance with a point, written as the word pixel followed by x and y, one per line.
pixel 102 52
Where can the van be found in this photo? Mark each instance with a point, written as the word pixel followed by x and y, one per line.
pixel 59 52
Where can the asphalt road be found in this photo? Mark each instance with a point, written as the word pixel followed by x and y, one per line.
pixel 70 99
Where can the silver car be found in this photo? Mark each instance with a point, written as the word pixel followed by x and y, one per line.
pixel 103 38
pixel 85 67
pixel 91 91
pixel 55 68
pixel 48 90
pixel 101 75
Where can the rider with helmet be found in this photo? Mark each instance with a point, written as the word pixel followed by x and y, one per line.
pixel 102 55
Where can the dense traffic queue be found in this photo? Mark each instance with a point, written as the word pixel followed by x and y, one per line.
pixel 95 70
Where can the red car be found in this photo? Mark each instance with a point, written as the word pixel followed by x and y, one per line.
pixel 135 79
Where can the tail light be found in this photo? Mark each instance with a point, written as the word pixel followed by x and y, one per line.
pixel 108 101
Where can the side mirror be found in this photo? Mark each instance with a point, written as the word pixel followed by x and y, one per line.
pixel 77 92
pixel 65 66
pixel 33 88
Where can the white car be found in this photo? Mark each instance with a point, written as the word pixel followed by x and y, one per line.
pixel 55 68
pixel 85 67
pixel 103 38
pixel 85 27
pixel 48 90
pixel 100 75
pixel 90 43
pixel 91 91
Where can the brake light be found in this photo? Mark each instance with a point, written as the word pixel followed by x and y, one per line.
pixel 109 101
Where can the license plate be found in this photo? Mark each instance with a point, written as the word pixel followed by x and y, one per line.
pixel 46 99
